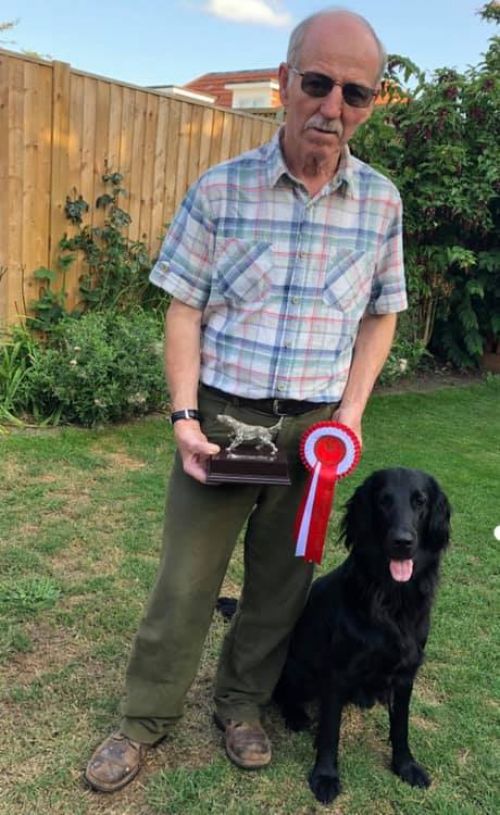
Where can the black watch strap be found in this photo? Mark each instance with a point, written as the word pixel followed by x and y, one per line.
pixel 186 413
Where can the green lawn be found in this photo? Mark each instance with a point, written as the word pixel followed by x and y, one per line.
pixel 79 535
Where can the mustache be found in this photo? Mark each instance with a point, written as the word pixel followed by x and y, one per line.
pixel 330 125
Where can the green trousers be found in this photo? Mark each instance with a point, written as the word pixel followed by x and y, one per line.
pixel 202 524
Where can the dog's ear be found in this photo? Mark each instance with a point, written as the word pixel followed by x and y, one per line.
pixel 438 529
pixel 358 515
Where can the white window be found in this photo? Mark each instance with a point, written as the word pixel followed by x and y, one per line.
pixel 253 94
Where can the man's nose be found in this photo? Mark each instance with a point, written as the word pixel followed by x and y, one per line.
pixel 331 105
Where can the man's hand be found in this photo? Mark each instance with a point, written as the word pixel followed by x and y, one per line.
pixel 350 417
pixel 194 448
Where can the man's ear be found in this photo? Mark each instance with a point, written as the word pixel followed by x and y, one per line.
pixel 283 76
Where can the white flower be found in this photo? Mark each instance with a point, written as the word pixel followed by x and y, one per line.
pixel 403 365
pixel 77 348
pixel 99 403
pixel 136 399
pixel 73 362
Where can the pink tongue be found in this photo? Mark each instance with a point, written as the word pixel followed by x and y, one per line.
pixel 401 570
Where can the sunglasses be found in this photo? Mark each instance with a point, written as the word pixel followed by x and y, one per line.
pixel 319 85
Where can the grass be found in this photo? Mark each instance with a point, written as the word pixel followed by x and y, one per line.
pixel 79 535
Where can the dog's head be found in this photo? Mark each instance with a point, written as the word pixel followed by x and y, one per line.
pixel 397 522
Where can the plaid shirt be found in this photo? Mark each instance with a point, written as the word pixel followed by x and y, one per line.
pixel 283 279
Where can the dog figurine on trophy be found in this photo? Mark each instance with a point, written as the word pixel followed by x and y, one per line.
pixel 252 456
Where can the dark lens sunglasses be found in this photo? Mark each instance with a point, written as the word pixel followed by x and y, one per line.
pixel 319 85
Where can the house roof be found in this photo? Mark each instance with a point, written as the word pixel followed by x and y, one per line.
pixel 186 93
pixel 214 83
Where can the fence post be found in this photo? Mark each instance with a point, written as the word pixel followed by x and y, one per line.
pixel 60 155
pixel 4 186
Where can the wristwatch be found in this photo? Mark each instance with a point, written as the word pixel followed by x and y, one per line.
pixel 185 413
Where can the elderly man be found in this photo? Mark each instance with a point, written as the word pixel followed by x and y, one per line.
pixel 285 269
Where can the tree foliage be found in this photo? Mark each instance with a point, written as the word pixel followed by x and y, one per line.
pixel 438 140
pixel 7 26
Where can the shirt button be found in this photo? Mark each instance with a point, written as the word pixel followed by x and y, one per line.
pixel 281 388
pixel 295 300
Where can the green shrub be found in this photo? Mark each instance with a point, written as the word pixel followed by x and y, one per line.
pixel 405 359
pixel 438 141
pixel 115 269
pixel 100 368
pixel 101 362
pixel 17 353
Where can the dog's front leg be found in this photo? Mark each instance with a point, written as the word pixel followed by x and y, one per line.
pixel 324 777
pixel 235 442
pixel 403 763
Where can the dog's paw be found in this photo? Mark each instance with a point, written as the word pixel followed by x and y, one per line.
pixel 226 606
pixel 413 774
pixel 297 720
pixel 325 787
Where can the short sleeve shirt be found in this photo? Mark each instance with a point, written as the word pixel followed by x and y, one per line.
pixel 282 278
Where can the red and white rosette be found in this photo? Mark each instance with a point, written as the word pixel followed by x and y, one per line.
pixel 330 450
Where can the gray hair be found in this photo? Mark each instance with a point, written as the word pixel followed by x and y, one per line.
pixel 299 32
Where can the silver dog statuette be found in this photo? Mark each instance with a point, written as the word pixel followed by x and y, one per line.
pixel 252 457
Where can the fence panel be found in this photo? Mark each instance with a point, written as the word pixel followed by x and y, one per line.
pixel 61 129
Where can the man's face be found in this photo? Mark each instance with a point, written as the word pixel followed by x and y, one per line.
pixel 318 128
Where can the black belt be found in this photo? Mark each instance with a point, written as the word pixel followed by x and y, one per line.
pixel 276 407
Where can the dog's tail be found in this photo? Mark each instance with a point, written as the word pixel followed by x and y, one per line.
pixel 226 606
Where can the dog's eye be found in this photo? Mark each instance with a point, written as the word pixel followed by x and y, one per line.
pixel 386 500
pixel 419 499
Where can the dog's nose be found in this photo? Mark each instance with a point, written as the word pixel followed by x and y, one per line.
pixel 402 538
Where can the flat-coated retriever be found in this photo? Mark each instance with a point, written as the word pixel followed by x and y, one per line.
pixel 362 634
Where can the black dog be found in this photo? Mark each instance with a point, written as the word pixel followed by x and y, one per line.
pixel 362 634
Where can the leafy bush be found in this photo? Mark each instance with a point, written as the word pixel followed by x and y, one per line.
pixel 408 353
pixel 116 268
pixel 438 141
pixel 405 358
pixel 17 353
pixel 103 361
pixel 102 367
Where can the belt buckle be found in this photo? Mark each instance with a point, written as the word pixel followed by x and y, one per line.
pixel 276 407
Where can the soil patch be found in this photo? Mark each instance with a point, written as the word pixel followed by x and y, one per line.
pixel 425 381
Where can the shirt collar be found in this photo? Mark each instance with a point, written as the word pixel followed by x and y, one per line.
pixel 344 179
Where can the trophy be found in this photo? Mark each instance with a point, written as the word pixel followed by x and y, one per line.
pixel 252 457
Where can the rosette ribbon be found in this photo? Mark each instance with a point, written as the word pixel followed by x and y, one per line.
pixel 330 450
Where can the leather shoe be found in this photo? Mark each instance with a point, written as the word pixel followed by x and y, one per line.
pixel 247 743
pixel 115 763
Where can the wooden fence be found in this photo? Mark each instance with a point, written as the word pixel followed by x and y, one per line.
pixel 60 129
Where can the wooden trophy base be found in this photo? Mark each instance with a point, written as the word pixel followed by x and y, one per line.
pixel 246 465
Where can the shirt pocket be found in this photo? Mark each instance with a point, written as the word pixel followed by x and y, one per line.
pixel 243 272
pixel 348 282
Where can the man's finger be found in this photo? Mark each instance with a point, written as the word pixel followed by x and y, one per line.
pixel 195 468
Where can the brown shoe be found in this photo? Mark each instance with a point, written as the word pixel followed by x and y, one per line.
pixel 115 763
pixel 247 743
